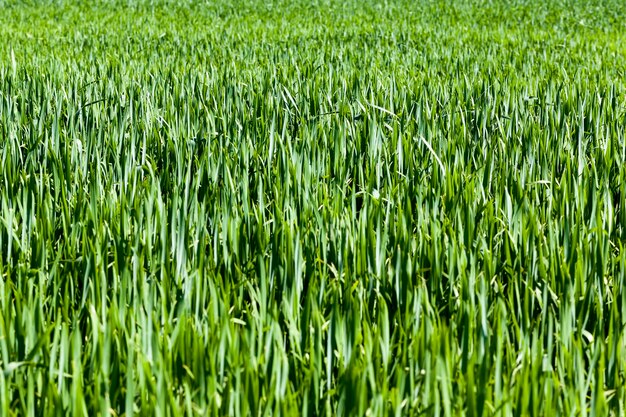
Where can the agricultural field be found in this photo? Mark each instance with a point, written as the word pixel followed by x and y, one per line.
pixel 312 208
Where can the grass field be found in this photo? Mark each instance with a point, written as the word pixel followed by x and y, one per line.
pixel 336 208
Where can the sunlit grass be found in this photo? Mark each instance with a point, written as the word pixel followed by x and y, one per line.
pixel 312 208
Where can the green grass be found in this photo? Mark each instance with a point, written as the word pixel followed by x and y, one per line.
pixel 312 208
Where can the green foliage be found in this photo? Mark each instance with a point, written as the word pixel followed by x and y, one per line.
pixel 312 208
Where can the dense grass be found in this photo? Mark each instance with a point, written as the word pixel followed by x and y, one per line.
pixel 312 208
